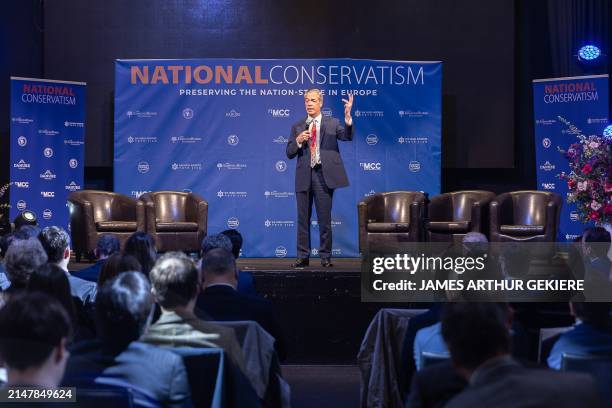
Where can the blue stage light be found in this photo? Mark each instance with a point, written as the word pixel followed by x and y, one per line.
pixel 589 52
pixel 608 131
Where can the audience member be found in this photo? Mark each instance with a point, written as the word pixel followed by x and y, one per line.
pixel 231 242
pixel 142 247
pixel 595 247
pixel 106 246
pixel 478 337
pixel 221 301
pixel 56 242
pixel 116 264
pixel 592 334
pixel 5 242
pixel 34 331
pixel 176 284
pixel 23 257
pixel 122 313
pixel 31 231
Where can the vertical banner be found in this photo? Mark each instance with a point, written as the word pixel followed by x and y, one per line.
pixel 564 108
pixel 219 128
pixel 47 140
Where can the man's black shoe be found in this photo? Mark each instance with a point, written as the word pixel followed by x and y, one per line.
pixel 300 263
pixel 326 263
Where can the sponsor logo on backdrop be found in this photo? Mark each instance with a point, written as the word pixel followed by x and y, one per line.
pixel 279 112
pixel 334 224
pixel 571 237
pixel 414 166
pixel 73 186
pixel 412 114
pixel 22 141
pixel 73 163
pixel 138 114
pixel 74 124
pixel 21 205
pixel 371 139
pixel 574 216
pixel 548 186
pixel 545 122
pixel 370 166
pixel 280 166
pixel 369 193
pixel 279 224
pixel 278 194
pixel 72 142
pixel 21 184
pixel 48 152
pixel 547 166
pixel 592 121
pixel 186 166
pixel 22 121
pixel 142 139
pixel 232 114
pixel 47 214
pixel 48 175
pixel 143 167
pixel 233 140
pixel 327 112
pixel 232 194
pixel 369 114
pixel 48 132
pixel 412 140
pixel 188 113
pixel 21 165
pixel 231 166
pixel 185 139
pixel 546 143
pixel 138 193
pixel 280 252
pixel 47 194
pixel 335 252
pixel 281 140
pixel 233 222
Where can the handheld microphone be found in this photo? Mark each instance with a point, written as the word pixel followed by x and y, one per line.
pixel 309 120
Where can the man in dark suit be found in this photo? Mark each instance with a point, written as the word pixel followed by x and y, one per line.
pixel 319 171
pixel 222 302
pixel 106 246
pixel 478 338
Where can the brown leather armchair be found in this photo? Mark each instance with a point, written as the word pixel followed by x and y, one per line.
pixel 176 220
pixel 388 219
pixel 525 216
pixel 452 215
pixel 94 213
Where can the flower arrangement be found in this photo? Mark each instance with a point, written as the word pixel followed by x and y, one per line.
pixel 588 181
pixel 4 206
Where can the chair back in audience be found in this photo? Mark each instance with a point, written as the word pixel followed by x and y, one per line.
pixel 600 368
pixel 429 359
pixel 548 333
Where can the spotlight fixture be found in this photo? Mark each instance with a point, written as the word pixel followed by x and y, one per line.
pixel 608 131
pixel 26 217
pixel 589 53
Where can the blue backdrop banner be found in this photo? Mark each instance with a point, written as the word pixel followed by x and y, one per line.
pixel 219 128
pixel 564 108
pixel 47 139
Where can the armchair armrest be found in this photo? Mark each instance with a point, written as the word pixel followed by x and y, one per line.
pixel 198 209
pixel 149 210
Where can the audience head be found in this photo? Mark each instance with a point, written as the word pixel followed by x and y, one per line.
pixel 51 280
pixel 8 239
pixel 236 239
pixel 596 314
pixel 32 231
pixel 213 241
pixel 475 332
pixel 175 280
pixel 117 264
pixel 219 266
pixel 142 246
pixel 475 244
pixel 34 330
pixel 122 309
pixel 56 242
pixel 596 242
pixel 22 258
pixel 106 246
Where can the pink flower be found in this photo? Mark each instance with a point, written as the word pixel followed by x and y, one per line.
pixel 582 185
pixel 587 169
pixel 608 188
pixel 595 206
pixel 608 209
pixel 594 216
pixel 593 145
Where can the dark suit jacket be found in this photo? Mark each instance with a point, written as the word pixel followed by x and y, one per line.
pixel 223 303
pixel 331 161
pixel 506 383
pixel 152 371
pixel 90 273
pixel 433 386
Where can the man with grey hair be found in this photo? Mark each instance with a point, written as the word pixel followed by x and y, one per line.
pixel 56 242
pixel 22 258
pixel 176 284
pixel 319 171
